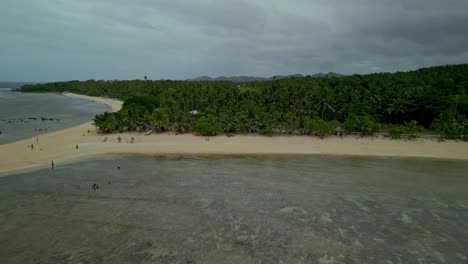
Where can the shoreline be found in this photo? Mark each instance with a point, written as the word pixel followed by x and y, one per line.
pixel 114 104
pixel 60 145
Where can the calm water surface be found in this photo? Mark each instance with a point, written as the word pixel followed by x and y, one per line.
pixel 277 209
pixel 22 114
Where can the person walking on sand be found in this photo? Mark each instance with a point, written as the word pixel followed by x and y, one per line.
pixel 76 146
pixel 37 140
pixel 52 164
pixel 32 146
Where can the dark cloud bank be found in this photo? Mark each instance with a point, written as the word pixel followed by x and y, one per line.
pixel 46 40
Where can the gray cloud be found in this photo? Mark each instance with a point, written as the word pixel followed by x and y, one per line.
pixel 47 40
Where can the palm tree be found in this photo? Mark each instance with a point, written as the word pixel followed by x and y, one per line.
pixel 324 103
pixel 399 105
pixel 230 124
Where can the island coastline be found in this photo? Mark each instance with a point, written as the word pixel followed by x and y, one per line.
pixel 60 146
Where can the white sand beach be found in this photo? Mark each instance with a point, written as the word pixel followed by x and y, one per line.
pixel 60 145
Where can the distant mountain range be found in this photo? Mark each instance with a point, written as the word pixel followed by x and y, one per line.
pixel 239 79
pixel 236 79
pixel 14 84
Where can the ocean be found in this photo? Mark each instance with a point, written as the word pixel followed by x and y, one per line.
pixel 23 115
pixel 237 209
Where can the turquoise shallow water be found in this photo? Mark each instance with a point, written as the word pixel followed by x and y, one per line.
pixel 249 209
pixel 24 115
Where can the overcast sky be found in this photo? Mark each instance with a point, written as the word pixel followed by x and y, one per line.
pixel 48 40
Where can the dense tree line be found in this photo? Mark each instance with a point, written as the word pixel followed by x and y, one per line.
pixel 405 102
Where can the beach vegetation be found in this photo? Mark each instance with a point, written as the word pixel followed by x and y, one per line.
pixel 396 131
pixel 365 125
pixel 320 127
pixel 451 126
pixel 208 126
pixel 412 128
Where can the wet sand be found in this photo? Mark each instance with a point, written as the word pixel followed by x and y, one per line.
pixel 60 145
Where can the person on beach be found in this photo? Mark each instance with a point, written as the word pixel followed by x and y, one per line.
pixel 52 164
pixel 37 141
pixel 32 146
pixel 76 146
pixel 119 139
pixel 132 140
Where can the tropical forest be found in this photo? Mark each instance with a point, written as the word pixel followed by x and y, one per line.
pixel 430 101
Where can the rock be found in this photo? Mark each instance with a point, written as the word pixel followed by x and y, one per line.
pixel 406 218
pixel 325 219
pixel 379 240
pixel 293 210
pixel 439 257
pixel 327 260
pixel 461 257
pixel 358 244
pixel 242 238
pixel 342 232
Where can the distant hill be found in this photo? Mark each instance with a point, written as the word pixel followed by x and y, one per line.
pixel 232 79
pixel 317 75
pixel 14 84
pixel 239 79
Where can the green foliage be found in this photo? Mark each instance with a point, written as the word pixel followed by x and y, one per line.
pixel 207 126
pixel 105 122
pixel 366 125
pixel 334 124
pixel 320 127
pixel 267 131
pixel 451 126
pixel 248 89
pixel 461 104
pixel 396 131
pixel 412 128
pixel 436 96
pixel 148 101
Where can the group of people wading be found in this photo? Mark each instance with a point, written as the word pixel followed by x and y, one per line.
pixel 95 186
